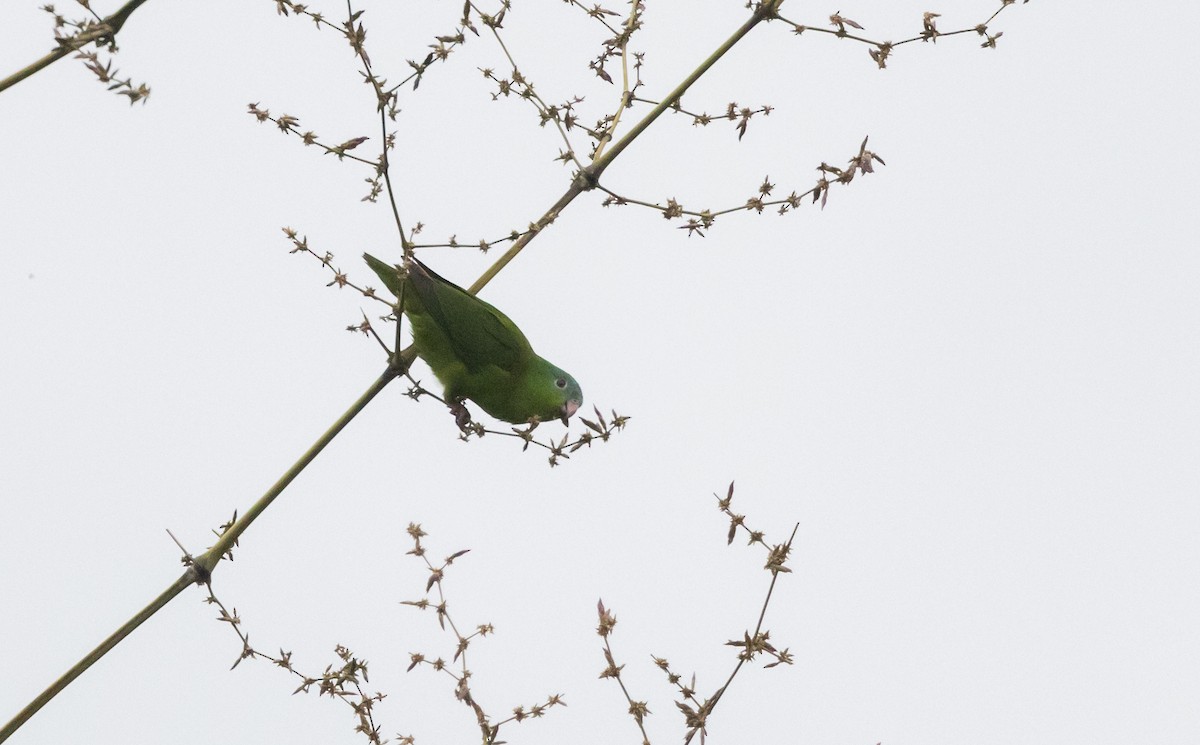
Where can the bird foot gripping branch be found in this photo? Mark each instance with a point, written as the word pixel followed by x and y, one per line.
pixel 462 415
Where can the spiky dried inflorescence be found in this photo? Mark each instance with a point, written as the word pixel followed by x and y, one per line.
pixel 881 51
pixel 701 220
pixel 345 679
pixel 639 710
pixel 696 710
pixel 457 668
pixel 76 34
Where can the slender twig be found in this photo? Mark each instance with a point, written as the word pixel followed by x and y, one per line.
pixel 542 107
pixel 105 30
pixel 637 709
pixel 333 682
pixel 590 175
pixel 209 559
pixel 883 49
pixel 625 91
pixel 762 614
pixel 762 13
pixel 381 99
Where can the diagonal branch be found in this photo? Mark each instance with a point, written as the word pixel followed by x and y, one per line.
pixel 590 176
pixel 103 32
pixel 202 567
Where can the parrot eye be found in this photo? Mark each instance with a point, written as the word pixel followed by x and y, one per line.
pixel 561 383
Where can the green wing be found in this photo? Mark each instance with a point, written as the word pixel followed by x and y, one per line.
pixel 475 350
pixel 478 334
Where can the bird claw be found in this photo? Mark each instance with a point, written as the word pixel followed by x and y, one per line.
pixel 462 417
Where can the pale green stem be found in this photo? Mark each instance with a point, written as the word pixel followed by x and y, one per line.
pixel 204 564
pixel 115 638
pixel 760 15
pixel 209 559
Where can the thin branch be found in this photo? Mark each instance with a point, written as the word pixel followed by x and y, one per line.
pixel 203 565
pixel 209 559
pixel 626 92
pixel 187 578
pixel 104 32
pixel 590 175
pixel 762 614
pixel 528 92
pixel 881 50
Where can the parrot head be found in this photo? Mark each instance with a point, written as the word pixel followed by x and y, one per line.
pixel 568 394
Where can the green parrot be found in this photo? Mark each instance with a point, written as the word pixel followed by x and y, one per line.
pixel 476 352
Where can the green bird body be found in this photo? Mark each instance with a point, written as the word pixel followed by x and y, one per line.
pixel 476 351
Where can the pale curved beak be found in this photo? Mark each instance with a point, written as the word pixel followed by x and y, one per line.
pixel 568 410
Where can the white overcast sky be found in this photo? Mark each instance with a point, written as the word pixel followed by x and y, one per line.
pixel 971 379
